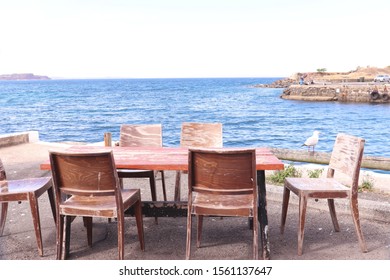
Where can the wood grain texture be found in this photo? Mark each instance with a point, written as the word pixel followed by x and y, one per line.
pixel 222 182
pixel 163 158
pixel 201 135
pixel 29 190
pixel 146 135
pixel 140 135
pixel 87 185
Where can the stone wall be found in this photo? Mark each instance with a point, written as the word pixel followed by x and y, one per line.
pixel 370 93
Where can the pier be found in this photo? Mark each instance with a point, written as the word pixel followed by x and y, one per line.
pixel 339 92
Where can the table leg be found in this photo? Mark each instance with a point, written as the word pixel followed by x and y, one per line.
pixel 262 215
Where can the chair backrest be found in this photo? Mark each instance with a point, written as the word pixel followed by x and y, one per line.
pixel 145 135
pixel 347 157
pixel 85 174
pixel 222 171
pixel 2 172
pixel 205 135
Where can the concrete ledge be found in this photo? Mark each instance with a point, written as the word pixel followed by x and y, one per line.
pixel 18 138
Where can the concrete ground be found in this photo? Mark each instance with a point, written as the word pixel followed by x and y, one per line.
pixel 227 238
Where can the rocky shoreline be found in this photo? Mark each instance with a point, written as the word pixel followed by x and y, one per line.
pixel 353 86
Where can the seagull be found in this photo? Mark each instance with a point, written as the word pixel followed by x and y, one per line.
pixel 312 140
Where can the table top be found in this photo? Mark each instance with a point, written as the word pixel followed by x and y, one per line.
pixel 163 158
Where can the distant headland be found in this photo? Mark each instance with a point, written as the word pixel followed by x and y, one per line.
pixel 22 76
pixel 361 74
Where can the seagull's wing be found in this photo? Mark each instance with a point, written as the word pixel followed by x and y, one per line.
pixel 311 141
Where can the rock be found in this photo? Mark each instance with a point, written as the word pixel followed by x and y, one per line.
pixel 282 83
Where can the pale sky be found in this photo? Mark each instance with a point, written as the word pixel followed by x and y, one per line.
pixel 191 38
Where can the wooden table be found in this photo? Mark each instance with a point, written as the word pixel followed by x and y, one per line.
pixel 176 158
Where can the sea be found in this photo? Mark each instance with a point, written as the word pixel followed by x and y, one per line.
pixel 82 110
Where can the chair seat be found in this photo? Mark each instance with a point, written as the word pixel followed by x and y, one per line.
pixel 135 173
pixel 318 187
pixel 236 205
pixel 140 173
pixel 102 206
pixel 13 190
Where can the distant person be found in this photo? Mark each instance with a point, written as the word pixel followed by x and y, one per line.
pixel 385 95
pixel 301 80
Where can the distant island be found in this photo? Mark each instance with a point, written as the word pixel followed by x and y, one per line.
pixel 22 76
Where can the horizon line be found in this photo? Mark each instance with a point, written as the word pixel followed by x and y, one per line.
pixel 134 78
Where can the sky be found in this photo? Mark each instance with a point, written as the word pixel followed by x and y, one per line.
pixel 191 38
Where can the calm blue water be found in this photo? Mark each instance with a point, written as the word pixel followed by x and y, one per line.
pixel 82 110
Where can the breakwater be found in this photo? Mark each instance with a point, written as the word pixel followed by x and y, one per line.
pixel 341 92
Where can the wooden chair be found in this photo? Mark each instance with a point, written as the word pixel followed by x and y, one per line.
pixel 87 185
pixel 25 190
pixel 142 136
pixel 346 158
pixel 198 135
pixel 222 182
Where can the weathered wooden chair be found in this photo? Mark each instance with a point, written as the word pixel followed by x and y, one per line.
pixel 87 185
pixel 198 135
pixel 221 182
pixel 30 190
pixel 149 135
pixel 346 158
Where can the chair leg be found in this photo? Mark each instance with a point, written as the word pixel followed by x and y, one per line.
pixel 356 221
pixel 163 184
pixel 50 193
pixel 68 224
pixel 152 182
pixel 177 186
pixel 4 210
pixel 88 223
pixel 60 236
pixel 286 198
pixel 332 211
pixel 121 237
pixel 121 186
pixel 189 233
pixel 139 222
pixel 199 230
pixel 36 221
pixel 121 183
pixel 255 238
pixel 302 217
